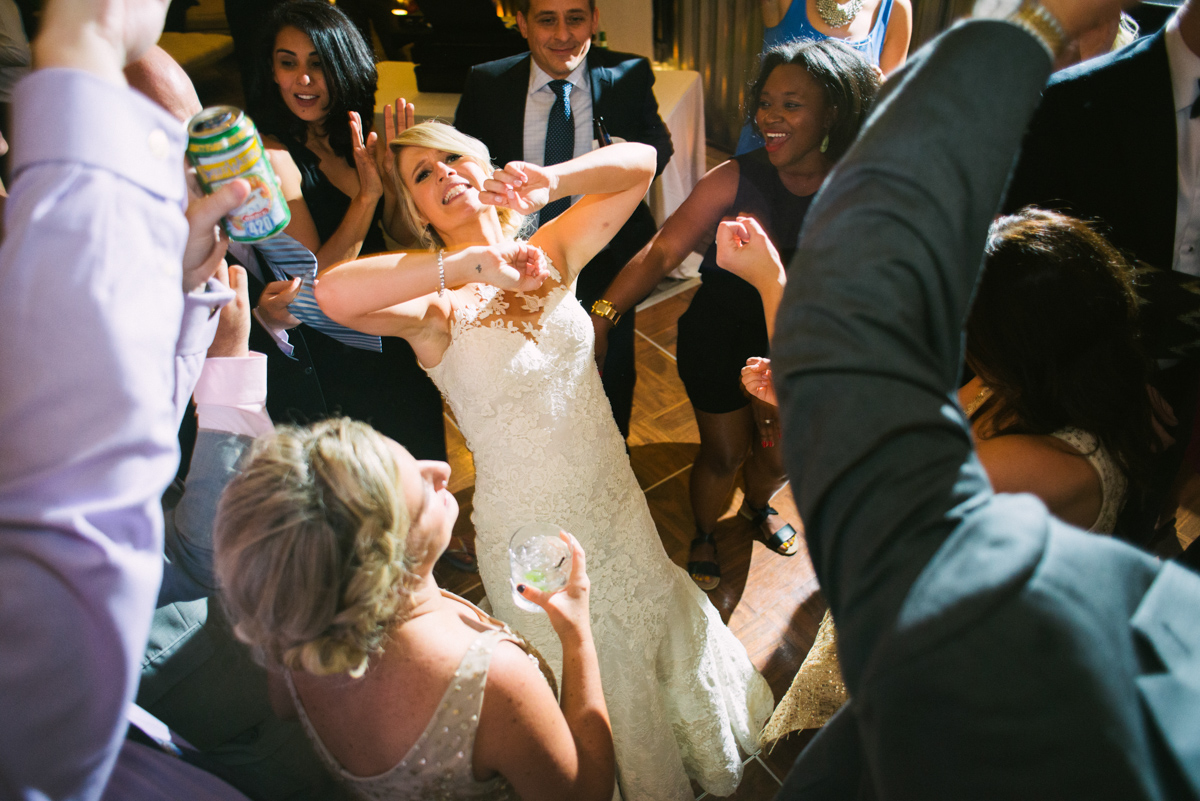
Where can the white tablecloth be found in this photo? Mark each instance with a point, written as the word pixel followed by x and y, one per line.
pixel 680 103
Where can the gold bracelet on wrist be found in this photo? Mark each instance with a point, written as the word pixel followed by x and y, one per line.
pixel 605 309
pixel 1045 27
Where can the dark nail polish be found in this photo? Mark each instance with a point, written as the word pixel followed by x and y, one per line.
pixel 521 588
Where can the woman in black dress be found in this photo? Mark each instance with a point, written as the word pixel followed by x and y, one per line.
pixel 313 99
pixel 809 100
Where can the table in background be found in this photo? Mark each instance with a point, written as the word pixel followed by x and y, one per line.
pixel 680 98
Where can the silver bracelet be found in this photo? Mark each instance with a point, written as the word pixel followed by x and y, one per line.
pixel 441 275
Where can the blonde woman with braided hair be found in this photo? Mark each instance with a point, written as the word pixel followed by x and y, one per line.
pixel 325 547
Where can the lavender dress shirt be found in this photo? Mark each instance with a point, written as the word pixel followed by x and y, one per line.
pixel 93 359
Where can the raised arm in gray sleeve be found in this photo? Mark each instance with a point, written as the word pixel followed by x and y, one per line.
pixel 868 340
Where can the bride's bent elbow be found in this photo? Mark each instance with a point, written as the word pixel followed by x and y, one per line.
pixel 647 159
pixel 330 296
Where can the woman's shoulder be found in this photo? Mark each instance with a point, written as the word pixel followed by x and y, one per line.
pixel 1045 465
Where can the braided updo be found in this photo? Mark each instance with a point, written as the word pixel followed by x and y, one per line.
pixel 311 547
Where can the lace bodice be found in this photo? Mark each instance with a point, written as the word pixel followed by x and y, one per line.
pixel 520 376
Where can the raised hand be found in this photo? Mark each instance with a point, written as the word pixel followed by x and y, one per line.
pixel 99 36
pixel 567 607
pixel 758 380
pixel 520 186
pixel 273 304
pixel 744 249
pixel 369 183
pixel 396 118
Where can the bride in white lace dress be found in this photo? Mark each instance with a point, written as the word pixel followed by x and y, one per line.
pixel 518 371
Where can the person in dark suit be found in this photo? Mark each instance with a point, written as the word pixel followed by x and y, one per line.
pixel 990 651
pixel 507 105
pixel 1102 146
pixel 1114 140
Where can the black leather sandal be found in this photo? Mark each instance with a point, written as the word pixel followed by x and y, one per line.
pixel 783 541
pixel 706 573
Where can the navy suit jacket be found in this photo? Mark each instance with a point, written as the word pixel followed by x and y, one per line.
pixel 492 109
pixel 990 650
pixel 1102 146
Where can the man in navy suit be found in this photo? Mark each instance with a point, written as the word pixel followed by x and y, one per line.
pixel 507 105
pixel 1111 139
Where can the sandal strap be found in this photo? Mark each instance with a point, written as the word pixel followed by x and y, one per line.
pixel 757 516
pixel 779 539
pixel 704 568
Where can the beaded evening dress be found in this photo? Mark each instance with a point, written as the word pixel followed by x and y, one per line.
pixel 682 694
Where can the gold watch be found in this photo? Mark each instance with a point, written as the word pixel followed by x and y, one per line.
pixel 605 309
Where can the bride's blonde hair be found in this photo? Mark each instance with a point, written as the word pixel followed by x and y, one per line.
pixel 439 136
pixel 312 548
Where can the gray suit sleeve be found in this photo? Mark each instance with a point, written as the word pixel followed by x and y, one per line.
pixel 188 566
pixel 868 341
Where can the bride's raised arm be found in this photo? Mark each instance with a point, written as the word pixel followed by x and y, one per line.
pixel 612 180
pixel 359 293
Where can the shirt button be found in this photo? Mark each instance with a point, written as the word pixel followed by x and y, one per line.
pixel 159 145
pixel 308 371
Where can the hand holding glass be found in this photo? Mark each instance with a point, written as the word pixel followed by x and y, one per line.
pixel 538 557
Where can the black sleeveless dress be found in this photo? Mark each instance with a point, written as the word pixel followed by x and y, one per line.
pixel 724 325
pixel 389 390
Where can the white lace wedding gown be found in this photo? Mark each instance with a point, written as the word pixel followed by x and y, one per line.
pixel 681 691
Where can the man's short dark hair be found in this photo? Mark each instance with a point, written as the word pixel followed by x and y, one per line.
pixel 522 7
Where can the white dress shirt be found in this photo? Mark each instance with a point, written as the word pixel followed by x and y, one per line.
pixel 537 112
pixel 541 100
pixel 1185 83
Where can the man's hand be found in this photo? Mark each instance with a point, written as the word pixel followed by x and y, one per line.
pixel 233 327
pixel 520 186
pixel 206 240
pixel 98 36
pixel 1080 16
pixel 273 304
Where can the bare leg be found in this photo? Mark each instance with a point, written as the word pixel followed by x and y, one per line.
pixel 764 472
pixel 724 442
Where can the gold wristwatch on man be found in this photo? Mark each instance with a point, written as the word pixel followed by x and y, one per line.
pixel 605 309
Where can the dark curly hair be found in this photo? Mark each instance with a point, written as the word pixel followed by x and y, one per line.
pixel 846 78
pixel 349 69
pixel 1053 332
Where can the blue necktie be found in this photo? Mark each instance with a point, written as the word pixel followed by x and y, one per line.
pixel 560 142
pixel 286 258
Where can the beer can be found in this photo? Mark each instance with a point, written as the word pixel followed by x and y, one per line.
pixel 223 144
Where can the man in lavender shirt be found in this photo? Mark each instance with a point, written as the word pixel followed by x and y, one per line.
pixel 94 349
